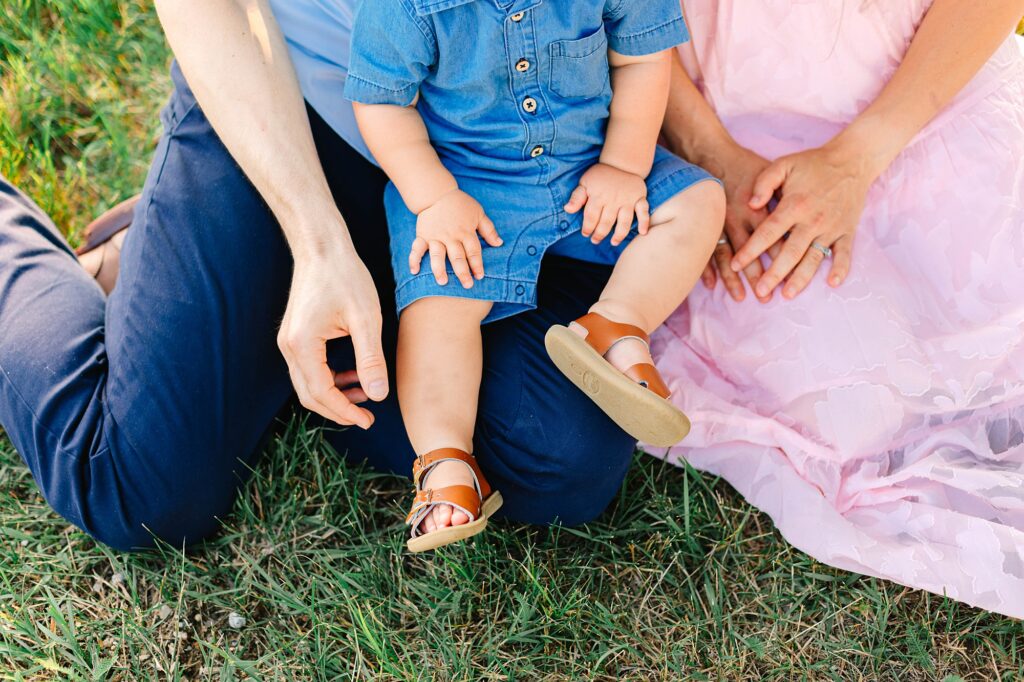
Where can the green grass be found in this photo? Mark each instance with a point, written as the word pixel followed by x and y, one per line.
pixel 679 580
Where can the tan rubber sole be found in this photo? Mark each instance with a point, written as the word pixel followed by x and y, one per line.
pixel 446 536
pixel 639 412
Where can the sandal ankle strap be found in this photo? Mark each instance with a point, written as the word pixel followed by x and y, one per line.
pixel 602 333
pixel 424 463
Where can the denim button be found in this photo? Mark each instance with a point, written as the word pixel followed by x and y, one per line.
pixel 529 105
pixel 532 250
pixel 517 17
pixel 520 290
pixel 522 66
pixel 563 226
pixel 536 151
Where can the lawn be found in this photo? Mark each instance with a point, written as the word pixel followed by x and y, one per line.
pixel 680 579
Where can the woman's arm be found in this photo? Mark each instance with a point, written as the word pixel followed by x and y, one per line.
pixel 236 62
pixel 825 189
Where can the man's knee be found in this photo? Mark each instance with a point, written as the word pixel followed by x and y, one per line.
pixel 183 509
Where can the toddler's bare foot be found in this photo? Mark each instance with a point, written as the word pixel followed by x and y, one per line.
pixel 623 354
pixel 442 476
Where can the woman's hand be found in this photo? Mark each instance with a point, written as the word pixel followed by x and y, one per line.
pixel 333 296
pixel 738 169
pixel 821 194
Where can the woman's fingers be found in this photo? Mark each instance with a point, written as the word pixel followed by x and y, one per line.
pixel 709 277
pixel 792 253
pixel 437 262
pixel 623 224
pixel 738 233
pixel 804 272
pixel 643 216
pixel 766 184
pixel 730 279
pixel 419 250
pixel 577 200
pixel 475 256
pixel 842 255
pixel 767 233
pixel 489 232
pixel 460 263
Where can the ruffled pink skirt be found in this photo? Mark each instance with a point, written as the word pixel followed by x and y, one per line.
pixel 881 424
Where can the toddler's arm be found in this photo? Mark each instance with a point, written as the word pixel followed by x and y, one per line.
pixel 611 192
pixel 398 139
pixel 640 96
pixel 448 220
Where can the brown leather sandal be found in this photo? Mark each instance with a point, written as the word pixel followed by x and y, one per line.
pixel 99 233
pixel 478 502
pixel 637 399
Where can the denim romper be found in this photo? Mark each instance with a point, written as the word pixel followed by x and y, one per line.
pixel 515 96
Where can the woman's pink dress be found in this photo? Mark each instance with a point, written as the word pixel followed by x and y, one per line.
pixel 880 425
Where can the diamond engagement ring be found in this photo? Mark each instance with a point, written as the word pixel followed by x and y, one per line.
pixel 824 249
pixel 723 241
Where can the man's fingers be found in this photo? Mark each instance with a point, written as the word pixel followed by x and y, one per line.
pixel 371 368
pixel 643 216
pixel 348 383
pixel 803 273
pixel 766 184
pixel 475 256
pixel 316 387
pixel 792 253
pixel 577 200
pixel 623 224
pixel 489 232
pixel 767 233
pixel 419 250
pixel 842 256
pixel 437 262
pixel 460 263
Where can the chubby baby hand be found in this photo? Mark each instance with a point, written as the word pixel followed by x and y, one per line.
pixel 611 198
pixel 448 229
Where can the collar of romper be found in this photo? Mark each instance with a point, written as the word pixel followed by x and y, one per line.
pixel 425 7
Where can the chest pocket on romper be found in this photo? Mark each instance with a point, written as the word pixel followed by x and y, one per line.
pixel 579 68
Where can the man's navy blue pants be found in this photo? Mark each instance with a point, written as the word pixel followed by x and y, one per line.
pixel 140 414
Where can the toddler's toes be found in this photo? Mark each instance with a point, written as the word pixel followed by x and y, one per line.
pixel 458 518
pixel 442 515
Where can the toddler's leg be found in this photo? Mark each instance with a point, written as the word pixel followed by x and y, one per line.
pixel 440 362
pixel 657 271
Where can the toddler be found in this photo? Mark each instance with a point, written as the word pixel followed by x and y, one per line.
pixel 509 128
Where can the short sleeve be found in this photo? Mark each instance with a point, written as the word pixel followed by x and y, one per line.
pixel 640 27
pixel 393 50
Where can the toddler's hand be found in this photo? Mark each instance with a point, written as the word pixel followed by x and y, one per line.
pixel 449 229
pixel 612 197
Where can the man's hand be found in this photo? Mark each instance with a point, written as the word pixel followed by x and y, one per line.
pixel 611 197
pixel 332 297
pixel 449 229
